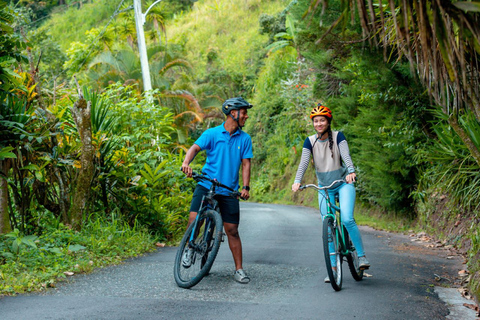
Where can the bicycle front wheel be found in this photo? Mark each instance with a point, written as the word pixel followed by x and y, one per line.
pixel 352 258
pixel 203 249
pixel 332 253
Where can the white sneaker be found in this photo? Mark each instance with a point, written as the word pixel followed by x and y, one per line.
pixel 187 258
pixel 363 263
pixel 241 276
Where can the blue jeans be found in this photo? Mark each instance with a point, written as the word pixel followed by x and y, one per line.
pixel 346 195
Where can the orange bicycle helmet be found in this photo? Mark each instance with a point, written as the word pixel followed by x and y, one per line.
pixel 320 110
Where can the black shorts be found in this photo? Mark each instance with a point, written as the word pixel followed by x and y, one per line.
pixel 229 206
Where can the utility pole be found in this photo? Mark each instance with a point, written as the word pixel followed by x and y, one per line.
pixel 142 47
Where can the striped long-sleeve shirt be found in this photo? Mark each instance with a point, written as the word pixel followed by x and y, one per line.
pixel 327 168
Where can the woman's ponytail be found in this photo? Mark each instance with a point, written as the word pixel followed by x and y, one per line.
pixel 330 139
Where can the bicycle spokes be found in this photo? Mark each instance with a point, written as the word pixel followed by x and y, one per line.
pixel 204 244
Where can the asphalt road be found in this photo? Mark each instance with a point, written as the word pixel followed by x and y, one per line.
pixel 283 257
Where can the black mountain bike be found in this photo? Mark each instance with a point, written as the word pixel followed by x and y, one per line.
pixel 202 238
pixel 336 242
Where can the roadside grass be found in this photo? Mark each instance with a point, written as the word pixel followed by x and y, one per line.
pixel 31 263
pixel 371 217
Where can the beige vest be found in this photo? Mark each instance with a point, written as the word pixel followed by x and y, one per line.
pixel 327 168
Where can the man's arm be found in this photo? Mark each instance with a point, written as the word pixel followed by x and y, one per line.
pixel 246 164
pixel 191 153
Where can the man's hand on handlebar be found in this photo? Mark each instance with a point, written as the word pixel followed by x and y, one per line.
pixel 245 195
pixel 187 169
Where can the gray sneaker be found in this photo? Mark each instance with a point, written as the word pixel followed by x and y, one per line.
pixel 187 258
pixel 363 263
pixel 241 276
pixel 327 279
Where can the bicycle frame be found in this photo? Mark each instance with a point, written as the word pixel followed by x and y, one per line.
pixel 332 211
pixel 208 202
pixel 337 244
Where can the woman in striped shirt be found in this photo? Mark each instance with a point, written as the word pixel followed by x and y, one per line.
pixel 332 161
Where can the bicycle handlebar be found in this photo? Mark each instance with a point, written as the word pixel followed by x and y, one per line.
pixel 320 188
pixel 198 177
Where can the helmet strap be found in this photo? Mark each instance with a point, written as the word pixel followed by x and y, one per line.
pixel 236 119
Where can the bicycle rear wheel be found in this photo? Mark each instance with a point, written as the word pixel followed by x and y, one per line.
pixel 332 253
pixel 352 258
pixel 205 245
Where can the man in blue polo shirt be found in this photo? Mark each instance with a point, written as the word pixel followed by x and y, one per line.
pixel 228 148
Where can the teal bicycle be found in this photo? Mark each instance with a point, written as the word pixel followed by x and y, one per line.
pixel 336 241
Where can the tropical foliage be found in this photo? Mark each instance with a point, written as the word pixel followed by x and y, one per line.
pixel 400 76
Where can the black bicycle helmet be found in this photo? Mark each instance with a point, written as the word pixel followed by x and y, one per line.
pixel 235 104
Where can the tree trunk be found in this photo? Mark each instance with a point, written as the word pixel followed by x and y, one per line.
pixel 4 217
pixel 81 116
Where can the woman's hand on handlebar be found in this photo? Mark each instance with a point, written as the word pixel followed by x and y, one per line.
pixel 295 187
pixel 351 178
pixel 187 169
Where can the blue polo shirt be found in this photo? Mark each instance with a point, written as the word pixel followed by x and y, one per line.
pixel 224 155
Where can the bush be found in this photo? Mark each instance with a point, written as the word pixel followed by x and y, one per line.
pixel 36 263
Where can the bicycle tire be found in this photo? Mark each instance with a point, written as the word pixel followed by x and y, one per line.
pixel 330 232
pixel 352 258
pixel 207 241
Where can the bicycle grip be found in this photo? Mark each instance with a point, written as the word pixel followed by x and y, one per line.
pixel 237 194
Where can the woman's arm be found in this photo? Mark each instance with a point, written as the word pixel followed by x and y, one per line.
pixel 345 155
pixel 302 167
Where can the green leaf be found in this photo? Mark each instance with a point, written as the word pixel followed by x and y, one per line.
pixel 39 176
pixel 55 250
pixel 16 245
pixel 29 241
pixel 278 45
pixel 290 27
pixel 5 153
pixel 31 166
pixel 13 234
pixel 468 5
pixel 8 255
pixel 76 247
pixel 283 35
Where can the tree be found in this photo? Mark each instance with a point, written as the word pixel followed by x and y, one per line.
pixel 440 39
pixel 82 117
pixel 123 65
pixel 157 16
pixel 10 82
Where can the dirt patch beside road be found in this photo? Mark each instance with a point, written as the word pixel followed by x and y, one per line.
pixel 453 272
